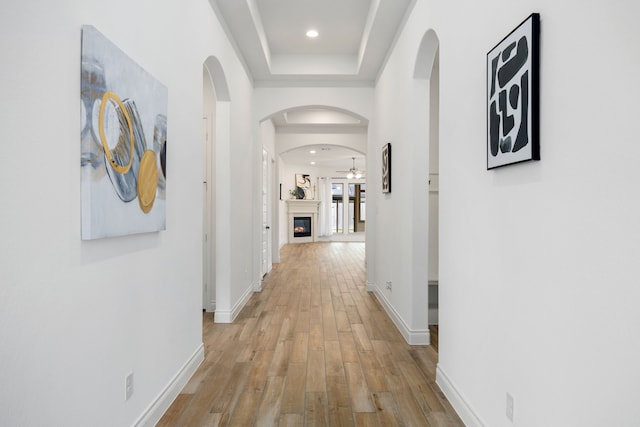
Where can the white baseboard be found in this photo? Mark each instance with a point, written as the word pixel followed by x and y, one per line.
pixel 413 337
pixel 223 316
pixel 459 403
pixel 371 287
pixel 159 406
pixel 257 287
pixel 228 316
pixel 211 307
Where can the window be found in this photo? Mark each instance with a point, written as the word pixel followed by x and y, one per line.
pixel 357 207
pixel 337 211
pixel 352 208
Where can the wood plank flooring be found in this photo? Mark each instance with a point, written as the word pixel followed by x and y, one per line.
pixel 314 348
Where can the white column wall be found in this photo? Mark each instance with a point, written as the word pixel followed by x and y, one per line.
pixel 402 216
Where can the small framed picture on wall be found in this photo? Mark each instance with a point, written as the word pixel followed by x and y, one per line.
pixel 386 168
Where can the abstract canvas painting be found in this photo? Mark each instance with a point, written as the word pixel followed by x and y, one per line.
pixel 513 96
pixel 386 168
pixel 303 186
pixel 123 142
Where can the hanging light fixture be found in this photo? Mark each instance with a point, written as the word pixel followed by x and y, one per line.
pixel 353 172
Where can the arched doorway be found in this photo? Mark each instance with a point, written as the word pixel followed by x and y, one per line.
pixel 216 237
pixel 427 68
pixel 321 142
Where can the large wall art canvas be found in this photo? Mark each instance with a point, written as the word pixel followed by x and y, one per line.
pixel 513 96
pixel 123 142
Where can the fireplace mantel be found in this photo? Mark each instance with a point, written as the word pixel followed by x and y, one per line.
pixel 304 208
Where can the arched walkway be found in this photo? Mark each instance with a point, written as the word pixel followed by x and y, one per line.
pixel 218 192
pixel 426 69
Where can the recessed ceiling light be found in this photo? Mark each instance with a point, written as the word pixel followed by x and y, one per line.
pixel 313 163
pixel 312 152
pixel 312 34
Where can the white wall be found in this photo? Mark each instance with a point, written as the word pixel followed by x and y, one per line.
pixel 538 262
pixel 76 317
pixel 397 226
pixel 244 182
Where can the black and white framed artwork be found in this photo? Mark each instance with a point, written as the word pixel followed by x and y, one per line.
pixel 513 96
pixel 386 168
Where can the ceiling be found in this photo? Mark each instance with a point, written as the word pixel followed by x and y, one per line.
pixel 355 37
pixel 337 159
pixel 315 119
pixel 354 41
pixel 322 120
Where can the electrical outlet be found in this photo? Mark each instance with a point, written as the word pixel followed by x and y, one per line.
pixel 510 407
pixel 128 386
pixel 389 286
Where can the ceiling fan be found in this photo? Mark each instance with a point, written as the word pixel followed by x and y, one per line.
pixel 353 172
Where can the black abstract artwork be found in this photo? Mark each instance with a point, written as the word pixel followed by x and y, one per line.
pixel 513 96
pixel 386 168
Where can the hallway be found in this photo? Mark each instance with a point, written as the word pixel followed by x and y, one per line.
pixel 313 348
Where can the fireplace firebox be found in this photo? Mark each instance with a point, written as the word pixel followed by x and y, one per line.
pixel 302 226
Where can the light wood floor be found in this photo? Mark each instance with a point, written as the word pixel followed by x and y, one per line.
pixel 314 348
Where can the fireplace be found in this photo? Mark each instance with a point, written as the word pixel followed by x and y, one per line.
pixel 302 226
pixel 303 220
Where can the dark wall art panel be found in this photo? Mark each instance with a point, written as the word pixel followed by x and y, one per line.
pixel 513 96
pixel 386 168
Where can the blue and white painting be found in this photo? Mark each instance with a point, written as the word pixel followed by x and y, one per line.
pixel 123 142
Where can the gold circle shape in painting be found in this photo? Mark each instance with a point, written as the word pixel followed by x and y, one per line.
pixel 105 144
pixel 147 181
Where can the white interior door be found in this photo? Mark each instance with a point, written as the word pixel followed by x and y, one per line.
pixel 208 195
pixel 434 192
pixel 206 217
pixel 266 217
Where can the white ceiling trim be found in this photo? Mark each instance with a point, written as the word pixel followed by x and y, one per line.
pixel 373 11
pixel 249 34
pixel 259 28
